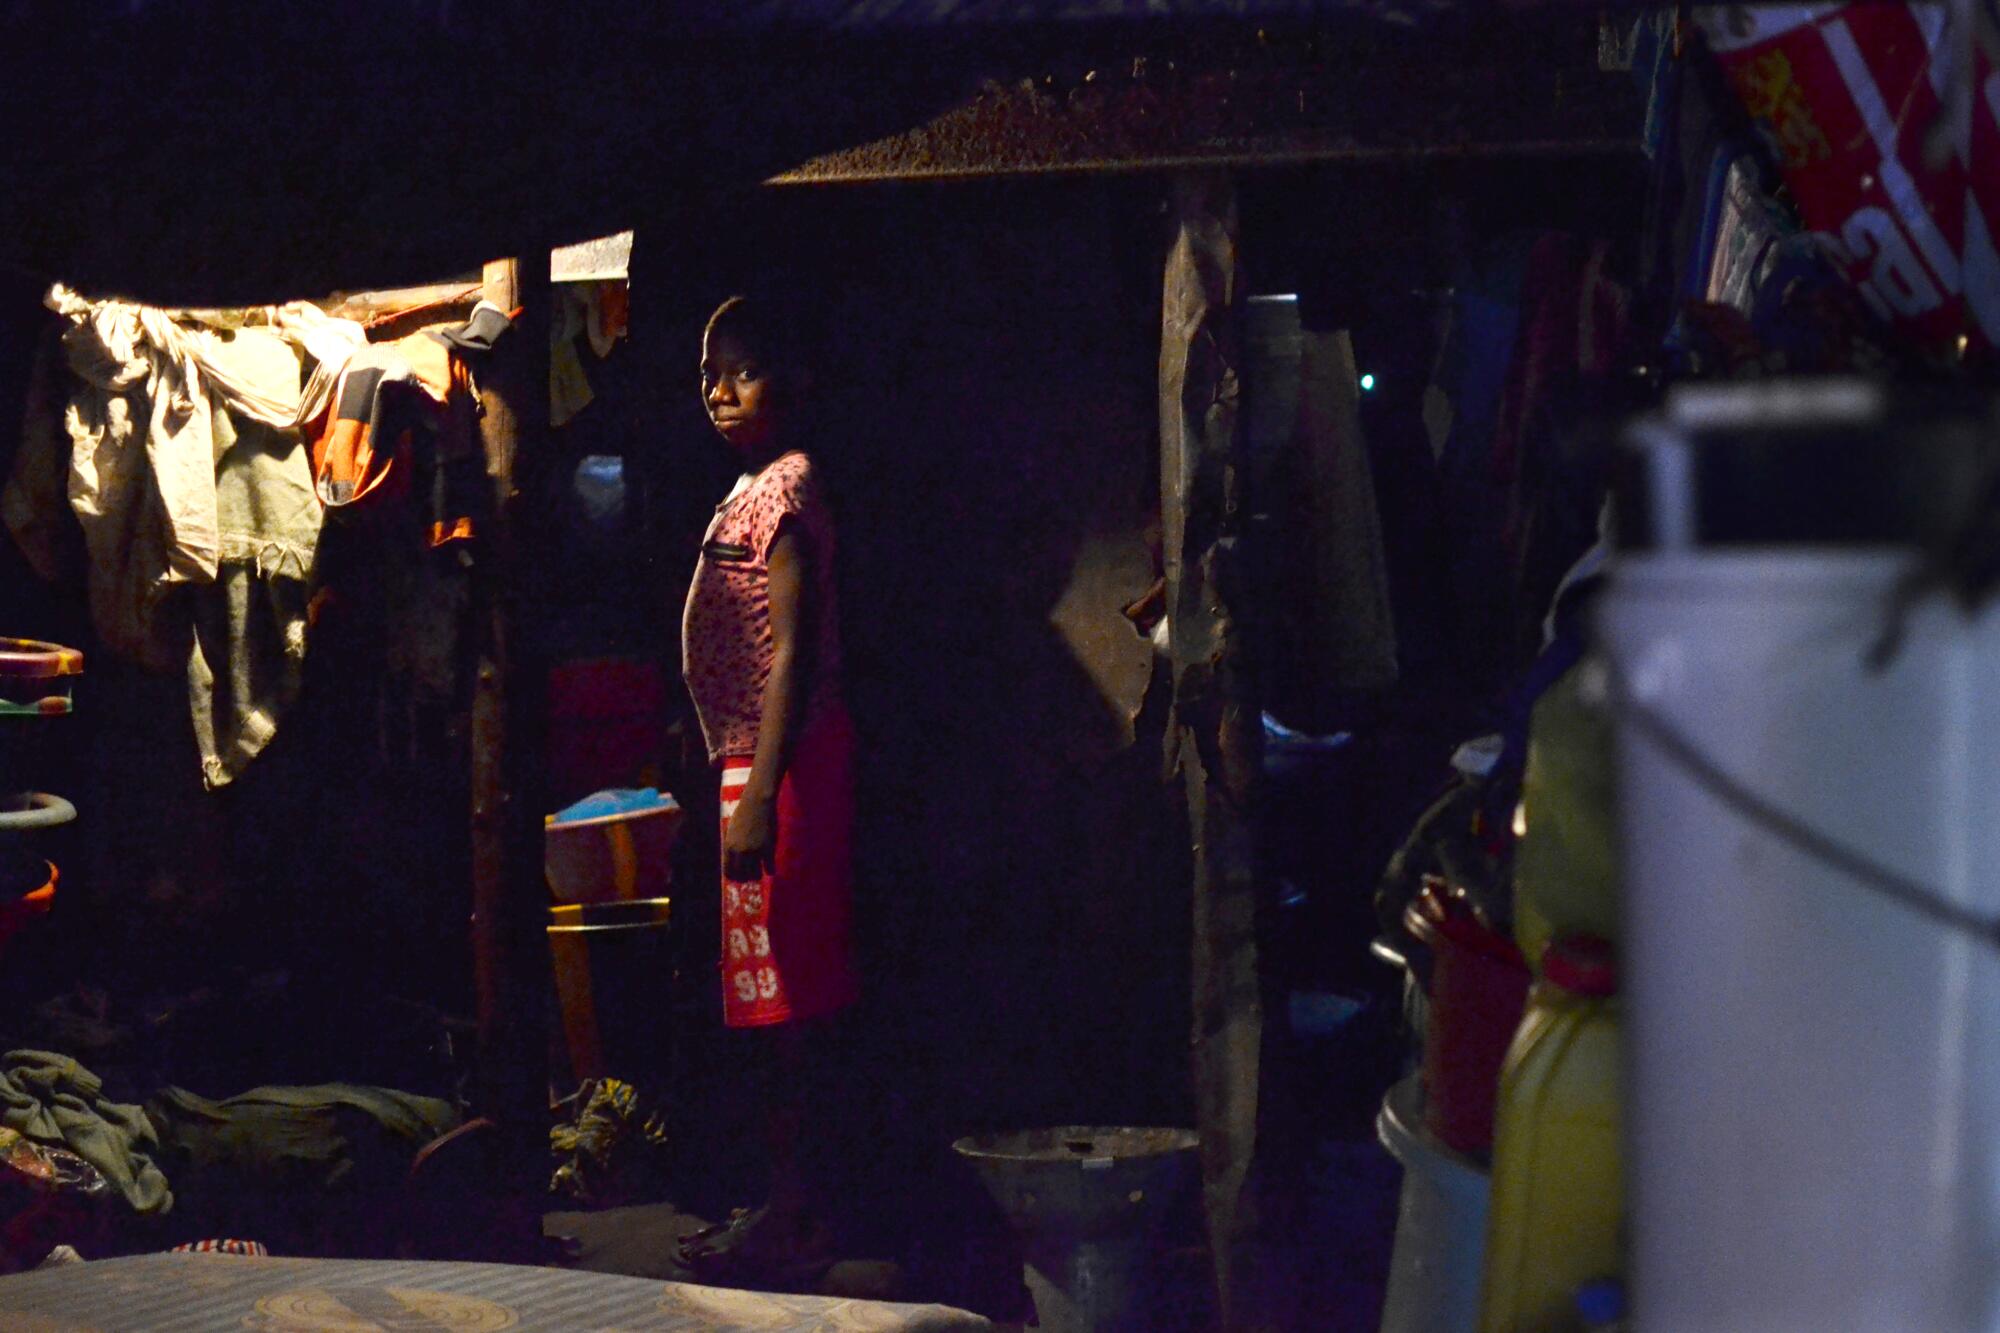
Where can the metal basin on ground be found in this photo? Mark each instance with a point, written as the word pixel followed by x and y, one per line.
pixel 1084 1200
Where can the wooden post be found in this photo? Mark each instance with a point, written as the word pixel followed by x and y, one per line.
pixel 509 723
pixel 1215 736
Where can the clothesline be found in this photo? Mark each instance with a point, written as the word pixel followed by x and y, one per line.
pixel 377 308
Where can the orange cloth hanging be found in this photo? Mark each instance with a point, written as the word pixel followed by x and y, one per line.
pixel 384 393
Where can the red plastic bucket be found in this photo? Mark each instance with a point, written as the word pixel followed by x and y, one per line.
pixel 1478 989
pixel 17 913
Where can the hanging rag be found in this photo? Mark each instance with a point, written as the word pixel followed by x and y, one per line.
pixel 481 330
pixel 365 429
pixel 1354 628
pixel 141 471
pixel 137 358
pixel 329 341
pixel 56 1102
pixel 1331 629
pixel 569 383
pixel 181 461
pixel 610 314
pixel 246 661
pixel 400 464
pixel 380 398
pixel 596 312
pixel 1573 322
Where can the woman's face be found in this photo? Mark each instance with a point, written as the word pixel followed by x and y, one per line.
pixel 737 390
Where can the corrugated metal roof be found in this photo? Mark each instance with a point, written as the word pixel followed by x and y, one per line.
pixel 1154 115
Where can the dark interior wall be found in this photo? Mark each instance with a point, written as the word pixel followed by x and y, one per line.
pixel 1047 903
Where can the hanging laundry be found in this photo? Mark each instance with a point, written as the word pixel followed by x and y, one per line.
pixel 1573 315
pixel 597 312
pixel 1744 235
pixel 481 330
pixel 178 452
pixel 1330 627
pixel 1573 325
pixel 569 384
pixel 399 462
pixel 328 340
pixel 141 469
pixel 384 393
pixel 1655 45
pixel 247 659
pixel 401 419
pixel 1474 361
pixel 1355 630
pixel 610 314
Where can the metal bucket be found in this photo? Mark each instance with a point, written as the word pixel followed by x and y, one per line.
pixel 1084 1199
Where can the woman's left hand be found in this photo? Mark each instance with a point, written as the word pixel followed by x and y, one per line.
pixel 749 843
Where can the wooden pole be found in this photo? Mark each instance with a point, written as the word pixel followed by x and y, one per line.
pixel 509 713
pixel 1215 735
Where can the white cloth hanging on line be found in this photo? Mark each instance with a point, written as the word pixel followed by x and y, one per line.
pixel 185 470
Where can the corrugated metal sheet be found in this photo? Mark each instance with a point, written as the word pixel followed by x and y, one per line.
pixel 586 261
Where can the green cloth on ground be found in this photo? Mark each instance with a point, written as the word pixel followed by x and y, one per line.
pixel 55 1101
pixel 315 1137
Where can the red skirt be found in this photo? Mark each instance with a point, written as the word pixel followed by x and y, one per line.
pixel 788 938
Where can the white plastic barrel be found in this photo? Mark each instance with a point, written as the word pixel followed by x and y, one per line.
pixel 1440 1250
pixel 1813 1097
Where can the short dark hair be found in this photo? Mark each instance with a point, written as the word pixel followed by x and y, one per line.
pixel 773 330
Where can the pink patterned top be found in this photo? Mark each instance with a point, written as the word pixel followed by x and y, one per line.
pixel 726 648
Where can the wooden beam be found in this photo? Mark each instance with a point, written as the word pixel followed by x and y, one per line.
pixel 1214 737
pixel 509 723
pixel 365 306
